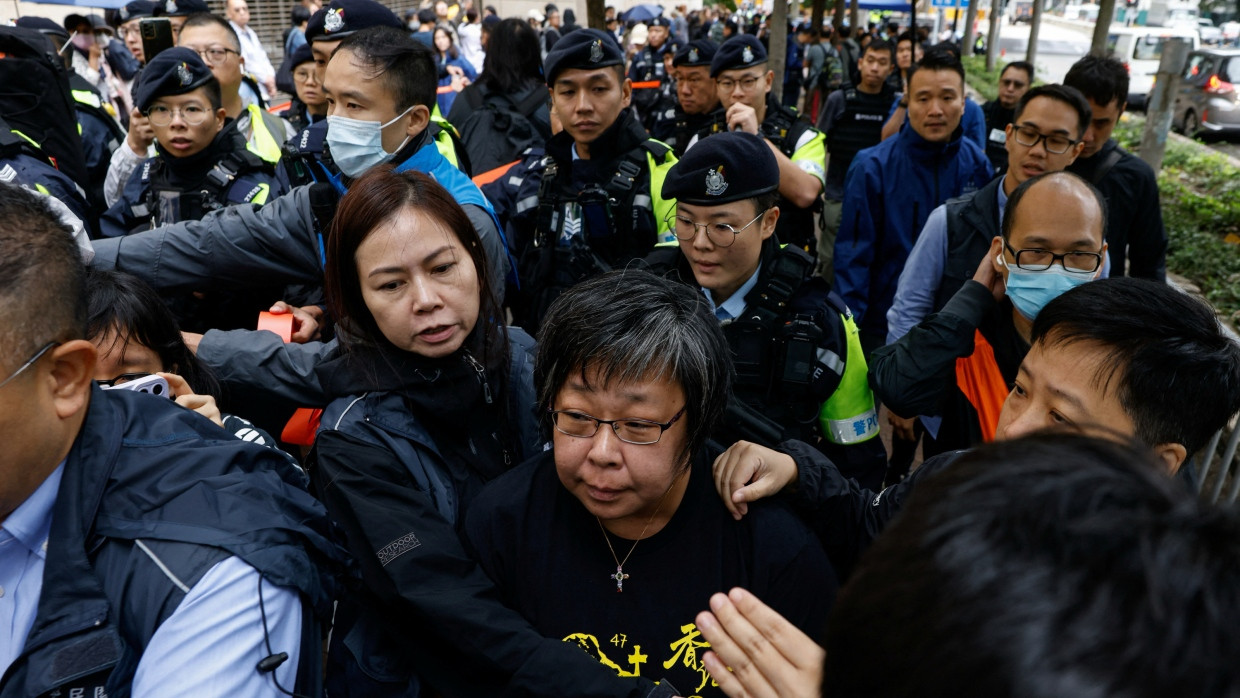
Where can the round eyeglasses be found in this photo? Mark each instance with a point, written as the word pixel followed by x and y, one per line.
pixel 192 114
pixel 719 234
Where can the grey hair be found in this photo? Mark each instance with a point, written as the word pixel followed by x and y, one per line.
pixel 630 326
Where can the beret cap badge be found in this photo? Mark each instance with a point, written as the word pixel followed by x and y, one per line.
pixel 184 75
pixel 171 6
pixel 716 185
pixel 334 21
pixel 747 55
pixel 596 51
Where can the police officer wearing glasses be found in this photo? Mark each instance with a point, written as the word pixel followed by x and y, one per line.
pixel 800 371
pixel 201 162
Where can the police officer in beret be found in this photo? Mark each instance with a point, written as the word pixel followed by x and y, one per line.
pixel 800 371
pixel 127 19
pixel 698 112
pixel 201 162
pixel 744 81
pixel 96 118
pixel 309 105
pixel 663 114
pixel 178 10
pixel 648 67
pixel 595 204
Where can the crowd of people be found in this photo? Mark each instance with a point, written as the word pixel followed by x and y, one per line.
pixel 319 398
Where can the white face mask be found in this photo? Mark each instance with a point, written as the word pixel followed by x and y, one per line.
pixel 357 145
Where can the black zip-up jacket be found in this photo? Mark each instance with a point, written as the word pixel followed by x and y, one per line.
pixel 1136 239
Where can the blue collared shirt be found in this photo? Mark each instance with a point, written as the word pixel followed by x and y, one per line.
pixel 923 272
pixel 732 308
pixel 23 550
pixel 210 645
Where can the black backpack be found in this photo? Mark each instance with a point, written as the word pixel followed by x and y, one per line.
pixel 36 102
pixel 497 131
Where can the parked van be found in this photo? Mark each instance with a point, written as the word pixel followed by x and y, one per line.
pixel 1140 48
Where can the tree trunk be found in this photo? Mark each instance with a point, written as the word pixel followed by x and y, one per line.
pixel 1162 100
pixel 970 20
pixel 837 21
pixel 595 10
pixel 818 9
pixel 854 17
pixel 992 38
pixel 1035 26
pixel 779 46
pixel 1106 13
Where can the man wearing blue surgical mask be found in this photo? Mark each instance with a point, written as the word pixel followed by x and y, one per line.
pixel 959 363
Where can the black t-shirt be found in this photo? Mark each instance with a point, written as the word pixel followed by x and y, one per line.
pixel 547 556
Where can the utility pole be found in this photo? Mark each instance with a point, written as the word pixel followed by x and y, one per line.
pixel 1159 110
pixel 992 38
pixel 1035 26
pixel 1106 13
pixel 970 20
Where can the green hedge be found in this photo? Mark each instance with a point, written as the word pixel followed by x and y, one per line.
pixel 1200 195
pixel 986 82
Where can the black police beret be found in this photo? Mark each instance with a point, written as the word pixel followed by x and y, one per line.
pixel 43 25
pixel 134 10
pixel 303 54
pixel 584 49
pixel 174 71
pixel 741 51
pixel 695 53
pixel 340 18
pixel 182 8
pixel 723 168
pixel 659 21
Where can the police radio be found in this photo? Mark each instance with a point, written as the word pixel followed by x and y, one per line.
pixel 794 369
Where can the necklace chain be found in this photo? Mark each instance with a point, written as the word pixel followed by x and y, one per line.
pixel 620 576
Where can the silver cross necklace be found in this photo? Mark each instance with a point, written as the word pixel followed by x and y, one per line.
pixel 620 576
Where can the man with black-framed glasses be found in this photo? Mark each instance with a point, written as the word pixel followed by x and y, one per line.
pixel 201 162
pixel 1045 135
pixel 958 364
pixel 800 370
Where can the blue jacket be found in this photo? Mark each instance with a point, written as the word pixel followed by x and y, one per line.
pixel 889 193
pixel 205 495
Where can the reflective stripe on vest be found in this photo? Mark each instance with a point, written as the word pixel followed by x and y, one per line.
pixel 661 208
pixel 849 415
pixel 978 377
pixel 88 98
pixel 443 143
pixel 262 141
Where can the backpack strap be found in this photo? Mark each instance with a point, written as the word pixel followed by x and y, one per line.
pixel 769 300
pixel 225 172
pixel 1112 159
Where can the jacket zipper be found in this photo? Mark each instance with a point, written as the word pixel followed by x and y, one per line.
pixel 482 376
